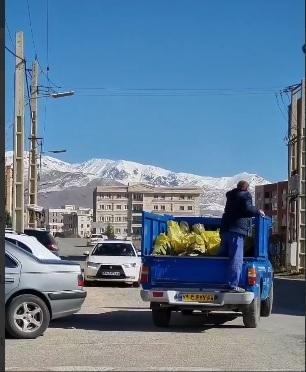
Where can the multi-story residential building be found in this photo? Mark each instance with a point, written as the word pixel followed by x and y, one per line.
pixel 296 177
pixel 55 219
pixel 121 206
pixel 78 222
pixel 9 189
pixel 272 199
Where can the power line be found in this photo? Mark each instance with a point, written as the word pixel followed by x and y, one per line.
pixel 47 36
pixel 15 55
pixel 280 109
pixel 30 21
pixel 253 90
pixel 9 32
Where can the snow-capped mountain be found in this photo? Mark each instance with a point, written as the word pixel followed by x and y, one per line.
pixel 60 181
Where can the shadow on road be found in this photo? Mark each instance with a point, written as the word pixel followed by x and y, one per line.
pixel 140 320
pixel 289 297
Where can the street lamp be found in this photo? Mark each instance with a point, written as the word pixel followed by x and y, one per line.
pixel 62 94
pixel 57 151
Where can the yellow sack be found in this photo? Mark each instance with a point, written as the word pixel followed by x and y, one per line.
pixel 161 245
pixel 184 226
pixel 198 245
pixel 212 242
pixel 198 228
pixel 174 231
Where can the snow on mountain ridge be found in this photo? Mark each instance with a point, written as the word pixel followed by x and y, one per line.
pixel 57 176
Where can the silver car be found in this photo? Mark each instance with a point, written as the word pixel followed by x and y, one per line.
pixel 38 290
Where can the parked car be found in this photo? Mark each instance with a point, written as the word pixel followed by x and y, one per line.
pixel 45 238
pixel 31 245
pixel 113 260
pixel 37 291
pixel 95 238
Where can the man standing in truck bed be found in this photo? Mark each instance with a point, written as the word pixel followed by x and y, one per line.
pixel 234 228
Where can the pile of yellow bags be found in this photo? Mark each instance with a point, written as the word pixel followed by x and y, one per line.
pixel 181 241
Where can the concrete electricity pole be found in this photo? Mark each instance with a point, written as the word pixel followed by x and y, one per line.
pixel 18 167
pixel 33 153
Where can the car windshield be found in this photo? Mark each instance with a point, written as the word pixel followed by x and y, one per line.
pixel 113 249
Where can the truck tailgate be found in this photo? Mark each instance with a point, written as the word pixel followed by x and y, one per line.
pixel 174 272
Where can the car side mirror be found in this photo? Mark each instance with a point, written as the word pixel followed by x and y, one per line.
pixel 139 254
pixel 86 253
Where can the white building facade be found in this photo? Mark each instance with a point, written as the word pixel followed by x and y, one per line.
pixel 122 206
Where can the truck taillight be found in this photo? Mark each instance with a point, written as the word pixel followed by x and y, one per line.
pixel 251 276
pixel 80 280
pixel 144 274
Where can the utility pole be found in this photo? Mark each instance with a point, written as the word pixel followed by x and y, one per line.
pixel 33 147
pixel 18 167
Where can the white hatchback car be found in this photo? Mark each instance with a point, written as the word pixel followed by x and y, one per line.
pixel 113 260
pixel 31 245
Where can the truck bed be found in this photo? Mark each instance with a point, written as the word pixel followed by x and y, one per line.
pixel 187 272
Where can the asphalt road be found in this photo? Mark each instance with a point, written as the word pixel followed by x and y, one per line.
pixel 114 332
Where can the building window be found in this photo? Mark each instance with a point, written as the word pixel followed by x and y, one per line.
pixel 118 231
pixel 182 197
pixel 155 196
pixel 118 219
pixel 118 196
pixel 267 194
pixel 189 197
pixel 118 206
pixel 267 206
pixel 155 207
pixel 108 206
pixel 182 208
pixel 163 207
pixel 137 208
pixel 125 207
pixel 125 230
pixel 138 197
pixel 81 225
pixel 88 226
pixel 190 207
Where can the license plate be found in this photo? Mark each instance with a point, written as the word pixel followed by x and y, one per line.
pixel 111 273
pixel 197 297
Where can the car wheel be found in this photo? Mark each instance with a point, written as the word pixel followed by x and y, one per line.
pixel 251 313
pixel 161 316
pixel 27 316
pixel 266 305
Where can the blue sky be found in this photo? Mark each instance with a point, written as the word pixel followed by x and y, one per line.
pixel 188 85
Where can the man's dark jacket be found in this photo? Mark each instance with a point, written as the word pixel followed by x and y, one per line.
pixel 237 212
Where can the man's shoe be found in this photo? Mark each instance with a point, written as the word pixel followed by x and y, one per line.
pixel 237 290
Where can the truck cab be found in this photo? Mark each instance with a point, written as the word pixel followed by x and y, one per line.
pixel 186 283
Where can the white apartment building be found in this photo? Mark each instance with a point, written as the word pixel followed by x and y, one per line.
pixel 121 206
pixel 54 217
pixel 78 222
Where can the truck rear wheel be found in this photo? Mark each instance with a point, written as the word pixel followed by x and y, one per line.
pixel 161 316
pixel 266 305
pixel 251 314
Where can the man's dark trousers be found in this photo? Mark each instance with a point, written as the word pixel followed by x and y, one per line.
pixel 232 246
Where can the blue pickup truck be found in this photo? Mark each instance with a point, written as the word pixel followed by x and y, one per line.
pixel 187 283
